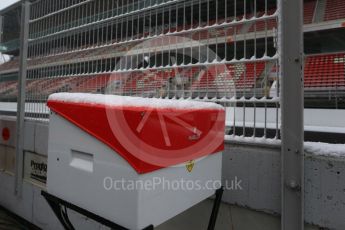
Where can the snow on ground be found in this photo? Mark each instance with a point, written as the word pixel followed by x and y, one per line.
pixel 325 149
pixel 252 140
pixel 315 148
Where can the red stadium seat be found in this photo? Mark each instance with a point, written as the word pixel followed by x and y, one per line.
pixel 325 71
pixel 335 9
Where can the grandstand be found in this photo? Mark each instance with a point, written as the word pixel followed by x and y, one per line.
pixel 219 51
pixel 75 55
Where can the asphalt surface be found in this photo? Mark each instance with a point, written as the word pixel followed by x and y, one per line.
pixel 11 222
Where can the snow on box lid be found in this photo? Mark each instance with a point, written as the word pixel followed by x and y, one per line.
pixel 149 133
pixel 126 101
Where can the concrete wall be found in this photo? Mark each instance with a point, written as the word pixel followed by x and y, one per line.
pixel 258 169
pixel 325 191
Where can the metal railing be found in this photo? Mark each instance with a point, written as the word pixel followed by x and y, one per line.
pixel 217 51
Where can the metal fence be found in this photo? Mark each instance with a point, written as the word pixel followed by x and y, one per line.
pixel 221 51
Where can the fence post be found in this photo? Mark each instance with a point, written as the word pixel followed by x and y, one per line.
pixel 1 27
pixel 24 35
pixel 292 106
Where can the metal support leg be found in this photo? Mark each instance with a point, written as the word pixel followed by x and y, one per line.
pixel 60 206
pixel 58 211
pixel 215 209
pixel 149 228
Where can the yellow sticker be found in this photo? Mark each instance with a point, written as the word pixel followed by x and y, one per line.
pixel 190 166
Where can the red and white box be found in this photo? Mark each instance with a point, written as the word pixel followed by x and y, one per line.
pixel 131 160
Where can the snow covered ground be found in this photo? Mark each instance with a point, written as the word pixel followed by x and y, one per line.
pixel 325 149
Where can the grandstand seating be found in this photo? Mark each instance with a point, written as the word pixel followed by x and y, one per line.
pixel 250 73
pixel 35 86
pixel 335 9
pixel 327 70
pixel 309 9
pixel 72 81
pixel 216 79
pixel 321 71
pixel 47 86
pixel 53 85
pixel 147 83
pixel 12 64
pixel 7 88
pixel 91 84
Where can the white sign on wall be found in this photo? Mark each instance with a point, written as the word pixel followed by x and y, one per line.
pixel 35 168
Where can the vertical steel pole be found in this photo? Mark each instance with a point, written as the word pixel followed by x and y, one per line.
pixel 1 27
pixel 1 34
pixel 24 34
pixel 292 106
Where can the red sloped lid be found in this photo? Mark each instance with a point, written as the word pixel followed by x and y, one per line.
pixel 149 133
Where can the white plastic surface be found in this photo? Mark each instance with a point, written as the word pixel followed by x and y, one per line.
pixel 133 209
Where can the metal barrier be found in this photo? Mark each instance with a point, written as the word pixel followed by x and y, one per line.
pixel 218 51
